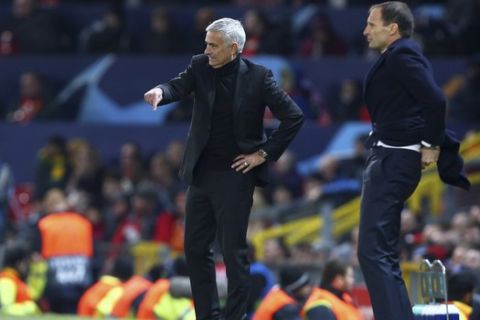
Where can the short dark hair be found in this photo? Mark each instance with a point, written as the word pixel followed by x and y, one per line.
pixel 460 284
pixel 16 253
pixel 332 269
pixel 397 12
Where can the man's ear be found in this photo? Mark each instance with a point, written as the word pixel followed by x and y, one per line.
pixel 234 48
pixel 393 28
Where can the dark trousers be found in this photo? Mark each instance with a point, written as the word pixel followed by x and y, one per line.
pixel 218 204
pixel 390 177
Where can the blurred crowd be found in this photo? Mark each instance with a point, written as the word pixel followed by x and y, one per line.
pixel 137 198
pixel 290 29
pixel 302 29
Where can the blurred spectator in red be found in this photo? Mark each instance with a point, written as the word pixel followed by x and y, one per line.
pixel 116 215
pixel 170 225
pixel 140 222
pixel 161 37
pixel 8 46
pixel 94 215
pixel 262 36
pixel 34 30
pixel 321 39
pixel 34 99
pixel 410 234
pixel 131 166
pixel 107 35
pixel 53 167
pixel 203 17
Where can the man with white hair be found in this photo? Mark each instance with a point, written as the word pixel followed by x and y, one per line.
pixel 225 157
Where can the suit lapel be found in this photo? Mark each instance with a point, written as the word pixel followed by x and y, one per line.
pixel 240 83
pixel 372 70
pixel 210 87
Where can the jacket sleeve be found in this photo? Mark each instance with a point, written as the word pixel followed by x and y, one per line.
pixel 414 73
pixel 179 87
pixel 285 110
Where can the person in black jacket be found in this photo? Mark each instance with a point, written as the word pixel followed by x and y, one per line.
pixel 225 157
pixel 407 109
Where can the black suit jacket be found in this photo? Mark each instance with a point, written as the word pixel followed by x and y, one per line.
pixel 404 102
pixel 407 107
pixel 255 89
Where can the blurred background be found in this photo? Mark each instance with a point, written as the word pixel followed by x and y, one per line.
pixel 76 136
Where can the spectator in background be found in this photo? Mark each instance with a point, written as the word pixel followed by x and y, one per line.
pixel 262 36
pixel 262 279
pixel 6 185
pixel 161 37
pixel 174 153
pixel 108 35
pixel 15 299
pixel 65 241
pixel 321 39
pixel 124 302
pixel 466 24
pixel 131 166
pixel 87 173
pixel 34 100
pixel 169 297
pixel 139 224
pixel 89 303
pixel 163 178
pixel 465 99
pixel 34 31
pixel 461 288
pixel 196 41
pixel 170 225
pixel 284 172
pixel 352 167
pixel 338 279
pixel 116 214
pixel 285 302
pixel 346 103
pixel 53 166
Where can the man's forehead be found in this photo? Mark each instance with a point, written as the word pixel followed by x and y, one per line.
pixel 214 36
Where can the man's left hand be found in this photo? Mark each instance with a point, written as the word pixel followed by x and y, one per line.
pixel 246 162
pixel 429 156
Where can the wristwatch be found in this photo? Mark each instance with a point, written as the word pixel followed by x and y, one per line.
pixel 262 153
